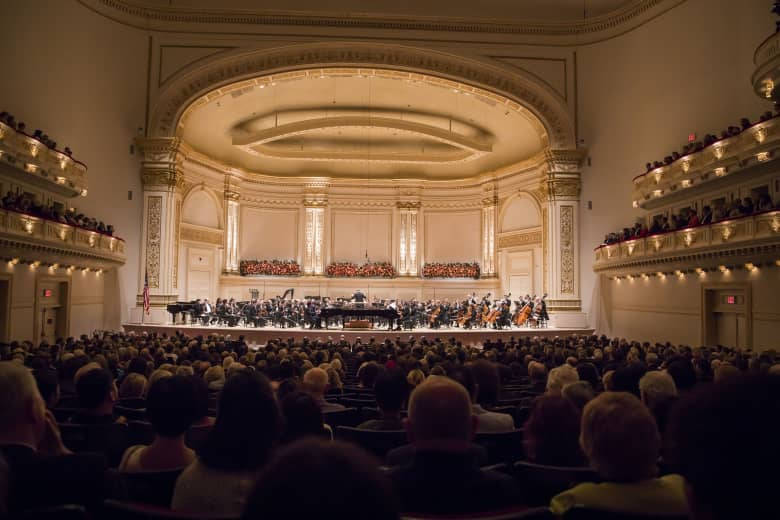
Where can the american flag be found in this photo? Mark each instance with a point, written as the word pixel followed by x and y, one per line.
pixel 147 304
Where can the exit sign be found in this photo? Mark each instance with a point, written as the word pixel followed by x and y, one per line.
pixel 691 138
pixel 47 293
pixel 731 300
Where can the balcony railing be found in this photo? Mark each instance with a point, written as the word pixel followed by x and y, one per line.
pixel 33 238
pixel 40 164
pixel 721 238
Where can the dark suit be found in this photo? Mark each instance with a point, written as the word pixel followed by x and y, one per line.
pixel 40 480
pixel 447 482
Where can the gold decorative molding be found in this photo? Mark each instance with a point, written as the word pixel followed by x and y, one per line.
pixel 315 203
pixel 408 204
pixel 205 236
pixel 567 249
pixel 161 163
pixel 520 238
pixel 153 239
pixel 176 233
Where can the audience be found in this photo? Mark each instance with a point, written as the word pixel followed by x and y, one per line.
pixel 239 445
pixel 171 408
pixel 390 389
pixel 302 418
pixel 24 203
pixel 487 422
pixel 551 434
pixel 315 381
pixel 443 476
pixel 658 392
pixel 97 394
pixel 620 439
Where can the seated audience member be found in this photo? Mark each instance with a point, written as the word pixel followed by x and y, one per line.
pixel 133 387
pixel 171 409
pixel 747 206
pixel 765 203
pixel 42 471
pixel 658 392
pixel 215 378
pixel 552 432
pixel 488 380
pixel 626 378
pixel 560 377
pixel 326 471
pixel 367 374
pixel 620 439
pixel 693 218
pixel 390 390
pixel 97 394
pixel 49 387
pixel 443 476
pixel 4 484
pixel 315 381
pixel 538 374
pixel 744 413
pixel 302 418
pixel 487 422
pixel 415 377
pixel 725 372
pixel 238 446
pixel 201 403
pixel 682 371
pixel 579 393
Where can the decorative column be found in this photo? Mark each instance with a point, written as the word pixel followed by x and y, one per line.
pixel 163 180
pixel 407 240
pixel 560 190
pixel 314 234
pixel 489 204
pixel 232 211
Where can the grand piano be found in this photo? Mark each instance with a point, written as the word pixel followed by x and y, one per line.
pixel 355 311
pixel 183 308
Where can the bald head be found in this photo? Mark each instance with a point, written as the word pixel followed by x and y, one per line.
pixel 440 409
pixel 316 380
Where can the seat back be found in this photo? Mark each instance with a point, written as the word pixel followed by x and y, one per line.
pixel 359 403
pixel 540 482
pixel 152 487
pixel 63 512
pixel 132 414
pixel 110 439
pixel 119 510
pixel 133 402
pixel 502 447
pixel 374 441
pixel 346 417
pixel 584 513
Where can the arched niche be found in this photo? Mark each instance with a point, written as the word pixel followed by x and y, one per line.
pixel 520 212
pixel 200 208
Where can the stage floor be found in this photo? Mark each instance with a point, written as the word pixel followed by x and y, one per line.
pixel 261 335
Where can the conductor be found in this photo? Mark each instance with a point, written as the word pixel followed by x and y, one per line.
pixel 358 297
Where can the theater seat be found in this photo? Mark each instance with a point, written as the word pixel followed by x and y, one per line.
pixel 373 441
pixel 118 510
pixel 540 482
pixel 517 513
pixel 110 439
pixel 584 513
pixel 358 403
pixel 347 417
pixel 502 447
pixel 151 487
pixel 63 512
pixel 132 414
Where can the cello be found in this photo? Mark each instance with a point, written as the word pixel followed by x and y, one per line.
pixel 522 315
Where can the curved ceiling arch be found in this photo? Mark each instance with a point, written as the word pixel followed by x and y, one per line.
pixel 228 71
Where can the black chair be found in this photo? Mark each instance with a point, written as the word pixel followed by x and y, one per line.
pixel 374 441
pixel 540 482
pixel 346 417
pixel 110 439
pixel 133 402
pixel 196 436
pixel 118 510
pixel 140 432
pixel 63 414
pixel 357 403
pixel 502 447
pixel 132 414
pixel 63 512
pixel 151 487
pixel 515 513
pixel 584 513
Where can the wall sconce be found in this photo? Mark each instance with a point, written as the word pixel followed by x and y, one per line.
pixel 769 86
pixel 718 151
pixel 34 150
pixel 657 244
pixel 645 277
pixel 686 183
pixel 635 203
pixel 777 263
pixel 54 267
pixel 700 271
pixel 688 239
pixel 661 275
pixel 98 272
pixel 630 278
pixel 760 135
pixel 658 176
pixel 63 163
pixel 63 234
pixel 84 192
pixel 28 226
pixel 60 180
pixel 720 172
pixel 658 193
pixel 762 156
pixel 35 264
pixel 686 165
pixel 723 269
pixel 750 266
pixel 30 167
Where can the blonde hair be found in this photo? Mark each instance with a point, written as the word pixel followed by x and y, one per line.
pixel 158 374
pixel 133 386
pixel 415 377
pixel 560 377
pixel 215 373
pixel 184 370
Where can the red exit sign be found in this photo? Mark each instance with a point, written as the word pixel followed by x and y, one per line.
pixel 731 300
pixel 47 293
pixel 691 138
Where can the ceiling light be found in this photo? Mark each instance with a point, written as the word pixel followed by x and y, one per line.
pixel 750 266
pixel 700 271
pixel 723 269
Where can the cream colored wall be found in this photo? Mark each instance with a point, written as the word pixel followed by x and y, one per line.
pixel 199 208
pixel 452 236
pixel 82 79
pixel 86 302
pixel 357 234
pixel 669 309
pixel 640 95
pixel 268 234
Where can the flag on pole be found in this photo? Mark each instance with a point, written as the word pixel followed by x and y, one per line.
pixel 147 303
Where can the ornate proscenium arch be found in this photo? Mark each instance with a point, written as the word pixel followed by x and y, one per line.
pixel 522 90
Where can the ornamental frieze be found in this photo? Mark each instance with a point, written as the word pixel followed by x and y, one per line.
pixel 520 239
pixel 201 235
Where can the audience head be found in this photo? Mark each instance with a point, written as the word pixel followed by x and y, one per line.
pixel 552 431
pixel 22 410
pixel 133 386
pixel 171 405
pixel 315 380
pixel 620 438
pixel 560 377
pixel 725 445
pixel 440 409
pixel 656 387
pixel 96 390
pixel 725 372
pixel 368 374
pixel 537 372
pixel 248 423
pixel 682 371
pixel 579 393
pixel 49 386
pixel 415 377
pixel 626 378
pixel 390 390
pixel 310 478
pixel 302 417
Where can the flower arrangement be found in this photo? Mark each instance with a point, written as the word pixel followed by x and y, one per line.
pixel 367 270
pixel 451 270
pixel 269 267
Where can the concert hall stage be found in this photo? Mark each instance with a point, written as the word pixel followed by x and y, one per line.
pixel 261 335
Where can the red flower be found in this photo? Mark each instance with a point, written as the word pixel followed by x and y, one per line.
pixel 451 270
pixel 269 268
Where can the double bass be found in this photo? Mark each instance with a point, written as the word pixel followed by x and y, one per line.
pixel 466 315
pixel 434 316
pixel 522 315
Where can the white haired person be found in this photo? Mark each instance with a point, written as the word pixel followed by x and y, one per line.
pixel 658 391
pixel 620 439
pixel 43 472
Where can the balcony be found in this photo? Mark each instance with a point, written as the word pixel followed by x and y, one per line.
pixel 27 238
pixel 751 152
pixel 754 239
pixel 29 160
